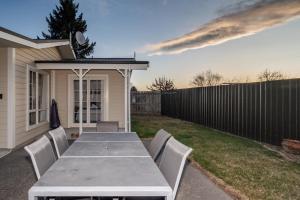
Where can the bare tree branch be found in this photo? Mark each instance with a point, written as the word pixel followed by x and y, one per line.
pixel 268 75
pixel 207 78
pixel 162 84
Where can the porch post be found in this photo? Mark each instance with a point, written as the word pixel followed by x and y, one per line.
pixel 126 99
pixel 52 84
pixel 129 101
pixel 11 97
pixel 80 101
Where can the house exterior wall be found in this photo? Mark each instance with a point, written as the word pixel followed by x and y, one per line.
pixel 24 57
pixel 115 95
pixel 3 101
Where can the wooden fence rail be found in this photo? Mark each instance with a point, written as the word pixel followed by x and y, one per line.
pixel 267 111
pixel 146 103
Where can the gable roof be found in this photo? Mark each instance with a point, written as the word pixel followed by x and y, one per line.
pixel 10 38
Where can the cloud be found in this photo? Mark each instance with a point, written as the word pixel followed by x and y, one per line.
pixel 241 20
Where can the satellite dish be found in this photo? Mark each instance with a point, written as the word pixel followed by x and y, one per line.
pixel 80 38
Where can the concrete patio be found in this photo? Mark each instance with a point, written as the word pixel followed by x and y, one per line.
pixel 17 176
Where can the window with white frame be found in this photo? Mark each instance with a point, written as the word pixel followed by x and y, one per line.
pixel 38 109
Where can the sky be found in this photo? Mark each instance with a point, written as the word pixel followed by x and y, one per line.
pixel 235 38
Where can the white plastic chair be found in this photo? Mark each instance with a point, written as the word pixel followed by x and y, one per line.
pixel 41 154
pixel 157 143
pixel 60 140
pixel 173 161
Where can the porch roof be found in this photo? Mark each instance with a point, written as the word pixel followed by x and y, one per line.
pixel 94 63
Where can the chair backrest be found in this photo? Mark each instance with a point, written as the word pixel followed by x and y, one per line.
pixel 60 140
pixel 41 154
pixel 173 161
pixel 107 126
pixel 158 142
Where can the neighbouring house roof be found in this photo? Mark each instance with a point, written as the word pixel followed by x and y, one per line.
pixel 94 63
pixel 12 39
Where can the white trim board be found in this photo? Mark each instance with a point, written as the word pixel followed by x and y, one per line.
pixel 52 85
pixel 91 66
pixel 11 98
pixel 28 43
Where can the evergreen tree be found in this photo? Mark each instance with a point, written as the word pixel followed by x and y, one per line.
pixel 64 20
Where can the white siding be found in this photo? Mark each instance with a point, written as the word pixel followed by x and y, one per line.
pixel 3 102
pixel 115 93
pixel 24 57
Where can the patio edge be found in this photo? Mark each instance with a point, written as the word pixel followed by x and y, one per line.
pixel 234 193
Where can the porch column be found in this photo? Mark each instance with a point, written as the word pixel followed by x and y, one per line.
pixel 52 84
pixel 80 76
pixel 11 98
pixel 126 99
pixel 80 101
pixel 129 100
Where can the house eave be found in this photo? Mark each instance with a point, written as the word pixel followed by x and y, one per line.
pixel 14 40
pixel 60 66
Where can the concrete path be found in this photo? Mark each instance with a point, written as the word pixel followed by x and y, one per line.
pixel 195 185
pixel 4 152
pixel 17 176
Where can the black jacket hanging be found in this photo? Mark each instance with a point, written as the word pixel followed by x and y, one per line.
pixel 54 118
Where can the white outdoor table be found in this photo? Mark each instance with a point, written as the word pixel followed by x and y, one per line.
pixel 106 149
pixel 102 176
pixel 108 137
pixel 103 164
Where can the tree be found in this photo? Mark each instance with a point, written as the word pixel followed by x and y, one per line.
pixel 207 78
pixel 236 80
pixel 65 21
pixel 199 80
pixel 162 84
pixel 133 89
pixel 268 75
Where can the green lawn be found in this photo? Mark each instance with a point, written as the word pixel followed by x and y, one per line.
pixel 246 165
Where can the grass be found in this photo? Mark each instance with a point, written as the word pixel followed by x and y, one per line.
pixel 244 164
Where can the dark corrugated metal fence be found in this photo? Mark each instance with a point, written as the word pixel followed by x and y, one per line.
pixel 266 111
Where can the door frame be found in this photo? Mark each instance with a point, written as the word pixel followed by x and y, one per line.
pixel 105 108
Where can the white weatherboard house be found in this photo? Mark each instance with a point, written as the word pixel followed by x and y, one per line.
pixel 33 71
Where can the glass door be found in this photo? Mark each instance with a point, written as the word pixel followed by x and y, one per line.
pixel 92 101
pixel 95 101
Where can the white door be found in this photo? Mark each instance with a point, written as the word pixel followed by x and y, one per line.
pixel 94 101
